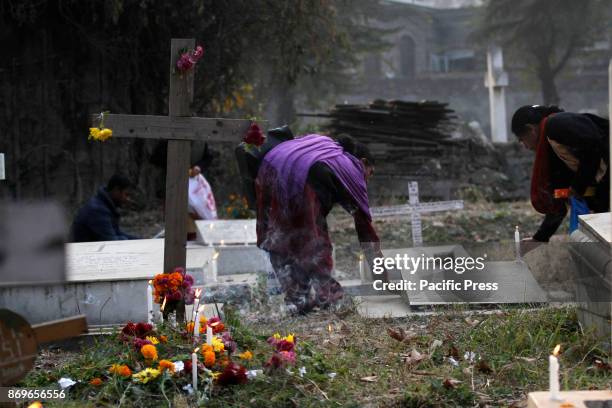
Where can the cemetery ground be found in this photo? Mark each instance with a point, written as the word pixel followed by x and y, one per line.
pixel 452 356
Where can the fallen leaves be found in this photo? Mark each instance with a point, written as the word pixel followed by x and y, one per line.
pixel 413 358
pixel 451 383
pixel 400 334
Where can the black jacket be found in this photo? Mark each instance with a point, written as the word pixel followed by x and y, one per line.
pixel 586 138
pixel 98 220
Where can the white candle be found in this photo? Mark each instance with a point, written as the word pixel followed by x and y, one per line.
pixel 196 323
pixel 553 374
pixel 362 273
pixel 517 242
pixel 150 302
pixel 222 242
pixel 211 227
pixel 214 272
pixel 209 335
pixel 194 369
pixel 246 235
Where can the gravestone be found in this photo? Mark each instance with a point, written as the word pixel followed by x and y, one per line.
pixel 570 399
pixel 415 208
pixel 226 232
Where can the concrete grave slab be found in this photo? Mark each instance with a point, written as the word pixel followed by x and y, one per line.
pixel 227 232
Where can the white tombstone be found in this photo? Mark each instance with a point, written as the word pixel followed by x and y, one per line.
pixel 226 232
pixel 496 80
pixel 415 208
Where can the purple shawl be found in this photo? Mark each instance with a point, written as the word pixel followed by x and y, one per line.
pixel 290 162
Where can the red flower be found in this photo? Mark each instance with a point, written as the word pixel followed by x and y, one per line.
pixel 254 135
pixel 285 345
pixel 138 343
pixel 142 329
pixel 233 374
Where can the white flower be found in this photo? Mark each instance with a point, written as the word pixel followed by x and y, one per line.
pixel 469 356
pixel 253 373
pixel 188 388
pixel 65 382
pixel 331 375
pixel 179 366
pixel 302 371
pixel 453 362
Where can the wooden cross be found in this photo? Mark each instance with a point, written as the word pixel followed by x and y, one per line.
pixel 415 208
pixel 180 129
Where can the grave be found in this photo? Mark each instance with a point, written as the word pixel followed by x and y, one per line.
pixel 515 284
pixel 573 399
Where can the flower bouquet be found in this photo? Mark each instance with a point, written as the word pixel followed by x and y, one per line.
pixel 172 288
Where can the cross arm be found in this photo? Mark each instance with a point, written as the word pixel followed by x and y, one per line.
pixel 175 127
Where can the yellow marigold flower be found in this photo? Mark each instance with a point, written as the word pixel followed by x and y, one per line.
pixel 290 338
pixel 276 336
pixel 153 339
pixel 203 321
pixel 209 358
pixel 149 352
pixel 105 134
pixel 96 382
pixel 94 133
pixel 166 365
pixel 247 355
pixel 218 345
pixel 120 370
pixel 146 375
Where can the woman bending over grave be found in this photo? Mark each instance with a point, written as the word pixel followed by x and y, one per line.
pixel 572 159
pixel 298 183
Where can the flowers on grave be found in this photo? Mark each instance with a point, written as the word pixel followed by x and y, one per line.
pixel 137 330
pixel 96 382
pixel 189 58
pixel 237 208
pixel 149 352
pixel 100 133
pixel 232 374
pixel 164 365
pixel 146 375
pixel 284 351
pixel 209 355
pixel 246 355
pixel 173 287
pixel 228 341
pixel 216 325
pixel 254 136
pixel 121 370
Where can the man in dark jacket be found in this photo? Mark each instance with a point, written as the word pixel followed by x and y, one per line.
pixel 98 219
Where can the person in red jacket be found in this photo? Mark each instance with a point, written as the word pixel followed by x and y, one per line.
pixel 572 154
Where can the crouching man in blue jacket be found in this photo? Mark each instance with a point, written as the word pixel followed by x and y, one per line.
pixel 98 219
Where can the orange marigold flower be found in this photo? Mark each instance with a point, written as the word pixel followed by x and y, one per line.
pixel 217 327
pixel 209 358
pixel 96 382
pixel 166 365
pixel 120 370
pixel 189 327
pixel 203 320
pixel 149 352
pixel 206 347
pixel 163 339
pixel 247 355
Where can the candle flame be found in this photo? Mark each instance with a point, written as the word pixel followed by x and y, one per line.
pixel 222 242
pixel 329 328
pixel 198 292
pixel 215 256
pixel 361 257
pixel 163 304
pixel 196 350
pixel 211 226
pixel 150 282
pixel 557 350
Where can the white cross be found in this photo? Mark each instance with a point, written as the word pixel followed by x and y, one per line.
pixel 415 209
pixel 496 80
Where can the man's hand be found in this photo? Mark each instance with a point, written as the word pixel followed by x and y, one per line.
pixel 529 244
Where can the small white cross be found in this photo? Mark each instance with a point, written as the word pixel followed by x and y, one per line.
pixel 415 208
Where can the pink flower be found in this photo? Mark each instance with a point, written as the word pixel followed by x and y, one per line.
pixel 254 135
pixel 198 52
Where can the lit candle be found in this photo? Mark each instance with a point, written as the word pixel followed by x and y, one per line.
pixel 214 272
pixel 362 273
pixel 517 243
pixel 196 323
pixel 553 374
pixel 209 335
pixel 222 242
pixel 150 302
pixel 194 369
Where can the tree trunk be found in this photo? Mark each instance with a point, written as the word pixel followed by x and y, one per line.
pixel 550 96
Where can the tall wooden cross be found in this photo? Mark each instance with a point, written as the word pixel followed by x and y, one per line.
pixel 180 129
